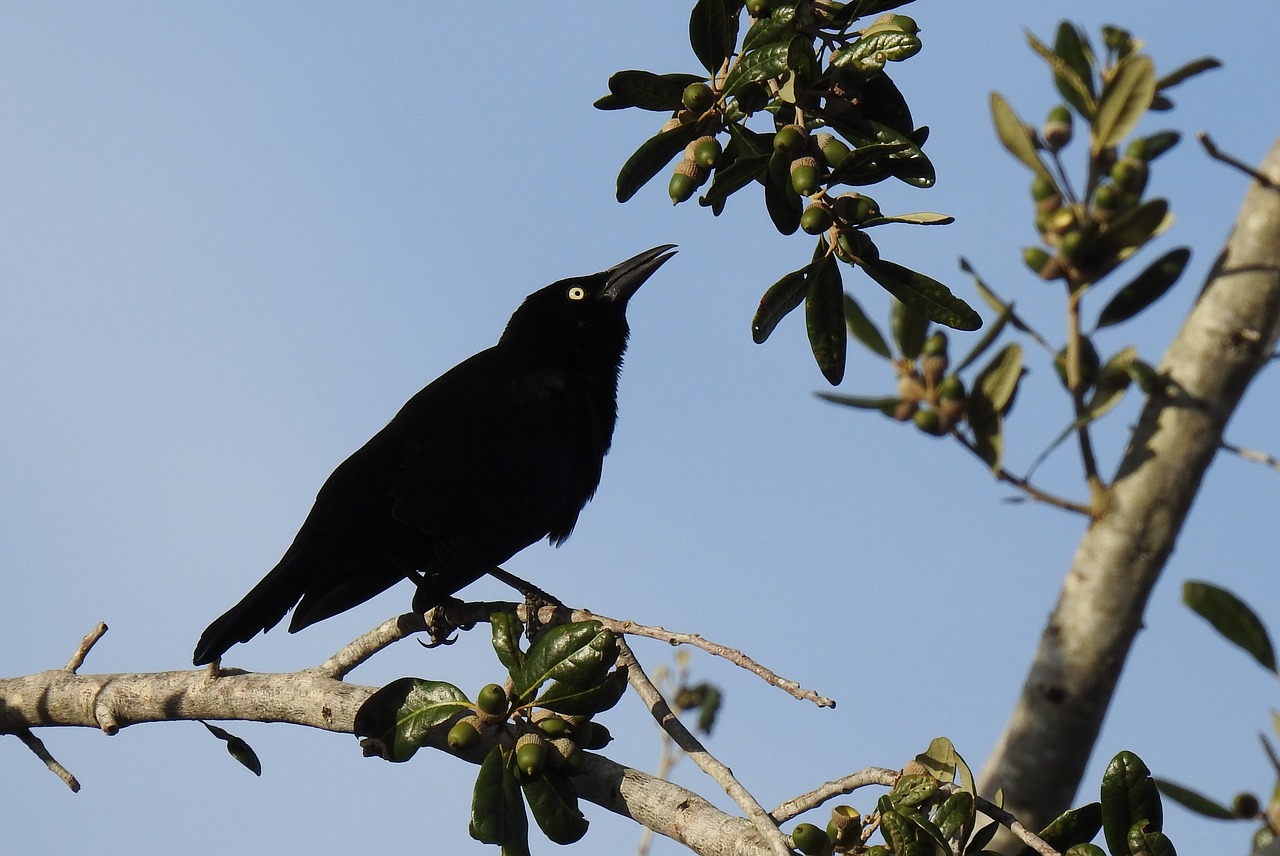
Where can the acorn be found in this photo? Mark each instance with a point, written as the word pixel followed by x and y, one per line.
pixel 853 245
pixel 704 151
pixel 816 219
pixel 464 735
pixel 805 176
pixel 809 839
pixel 698 97
pixel 671 124
pixel 553 726
pixel 845 826
pixel 1129 175
pixel 686 178
pixel 951 401
pixel 1073 245
pixel 1042 264
pixel 531 755
pixel 1056 131
pixel 1107 202
pixel 1045 193
pixel 832 148
pixel 855 208
pixel 790 140
pixel 933 359
pixel 929 422
pixel 492 700
pixel 1062 221
pixel 758 8
pixel 559 750
pixel 1245 805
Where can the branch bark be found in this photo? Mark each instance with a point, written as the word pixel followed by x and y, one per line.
pixel 1227 338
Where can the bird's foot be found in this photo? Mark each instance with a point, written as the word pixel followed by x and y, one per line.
pixel 439 627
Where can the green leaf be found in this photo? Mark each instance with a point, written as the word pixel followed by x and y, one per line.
pixel 779 299
pixel 987 339
pixel 927 830
pixel 562 697
pixel 1194 801
pixel 1074 826
pixel 1145 841
pixel 506 639
pixel 1128 232
pixel 646 90
pixel 1191 69
pixel 824 317
pixel 1146 288
pixel 1110 385
pixel 909 328
pixel 710 35
pixel 998 381
pixel 497 809
pixel 554 802
pixel 902 835
pixel 912 789
pixel 758 65
pixel 653 154
pixel 400 715
pixel 864 329
pixel 729 180
pixel 866 164
pixel 956 815
pixel 1231 617
pixel 237 747
pixel 1016 137
pixel 1124 100
pixel 1085 850
pixel 780 199
pixel 780 26
pixel 871 52
pixel 1129 795
pixel 983 837
pixel 885 404
pixel 940 759
pixel 920 218
pixel 1076 88
pixel 988 431
pixel 924 294
pixel 580 654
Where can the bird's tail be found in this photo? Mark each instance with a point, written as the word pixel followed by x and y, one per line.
pixel 257 612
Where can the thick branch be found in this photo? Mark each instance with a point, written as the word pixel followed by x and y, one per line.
pixel 1229 335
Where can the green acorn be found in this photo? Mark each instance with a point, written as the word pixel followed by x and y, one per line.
pixel 854 245
pixel 686 178
pixel 1073 245
pixel 1107 202
pixel 560 750
pixel 1042 264
pixel 805 178
pixel 698 97
pixel 464 735
pixel 809 839
pixel 933 358
pixel 704 151
pixel 1129 175
pixel 531 755
pixel 492 700
pixel 855 208
pixel 816 219
pixel 553 726
pixel 845 826
pixel 1057 128
pixel 790 140
pixel 1062 221
pixel 929 422
pixel 758 8
pixel 832 148
pixel 1245 805
pixel 1045 193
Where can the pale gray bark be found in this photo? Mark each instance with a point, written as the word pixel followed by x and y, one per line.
pixel 1227 338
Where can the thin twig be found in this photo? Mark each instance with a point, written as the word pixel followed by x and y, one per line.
pixel 1219 155
pixel 1252 455
pixel 834 788
pixel 36 745
pixel 82 651
pixel 1029 838
pixel 707 762
pixel 1027 487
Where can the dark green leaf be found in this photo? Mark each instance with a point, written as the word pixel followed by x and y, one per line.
pixel 506 639
pixel 866 164
pixel 864 329
pixel 824 317
pixel 759 65
pixel 909 329
pixel 572 700
pixel 780 26
pixel 554 802
pixel 956 815
pixel 988 430
pixel 1110 385
pixel 1074 826
pixel 237 747
pixel 400 715
pixel 1085 850
pixel 646 90
pixel 982 838
pixel 709 34
pixel 1124 100
pixel 911 789
pixel 1145 841
pixel 1231 617
pixel 1146 288
pixel 749 142
pixel 903 835
pixel 1191 69
pixel 779 299
pixel 1129 795
pixel 998 381
pixel 1016 137
pixel 654 154
pixel 1194 801
pixel 497 809
pixel 885 404
pixel 579 654
pixel 871 52
pixel 781 201
pixel 1073 84
pixel 923 294
pixel 1128 232
pixel 1074 51
pixel 731 179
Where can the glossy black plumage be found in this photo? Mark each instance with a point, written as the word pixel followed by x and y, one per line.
pixel 500 451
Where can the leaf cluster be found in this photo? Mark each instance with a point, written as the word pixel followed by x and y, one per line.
pixel 816 73
pixel 529 732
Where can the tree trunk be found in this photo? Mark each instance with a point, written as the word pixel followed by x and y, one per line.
pixel 1227 338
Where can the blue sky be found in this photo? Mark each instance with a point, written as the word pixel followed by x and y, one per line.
pixel 235 237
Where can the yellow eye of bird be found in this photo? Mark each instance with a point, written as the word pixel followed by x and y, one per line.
pixel 576 293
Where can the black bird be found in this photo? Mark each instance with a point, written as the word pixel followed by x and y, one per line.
pixel 498 452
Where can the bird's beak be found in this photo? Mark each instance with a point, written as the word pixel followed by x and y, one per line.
pixel 626 278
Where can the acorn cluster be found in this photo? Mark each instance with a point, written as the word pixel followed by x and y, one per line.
pixel 538 738
pixel 927 395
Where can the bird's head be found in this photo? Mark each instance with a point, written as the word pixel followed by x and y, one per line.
pixel 584 317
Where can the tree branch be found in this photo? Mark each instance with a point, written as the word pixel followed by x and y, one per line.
pixel 1227 338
